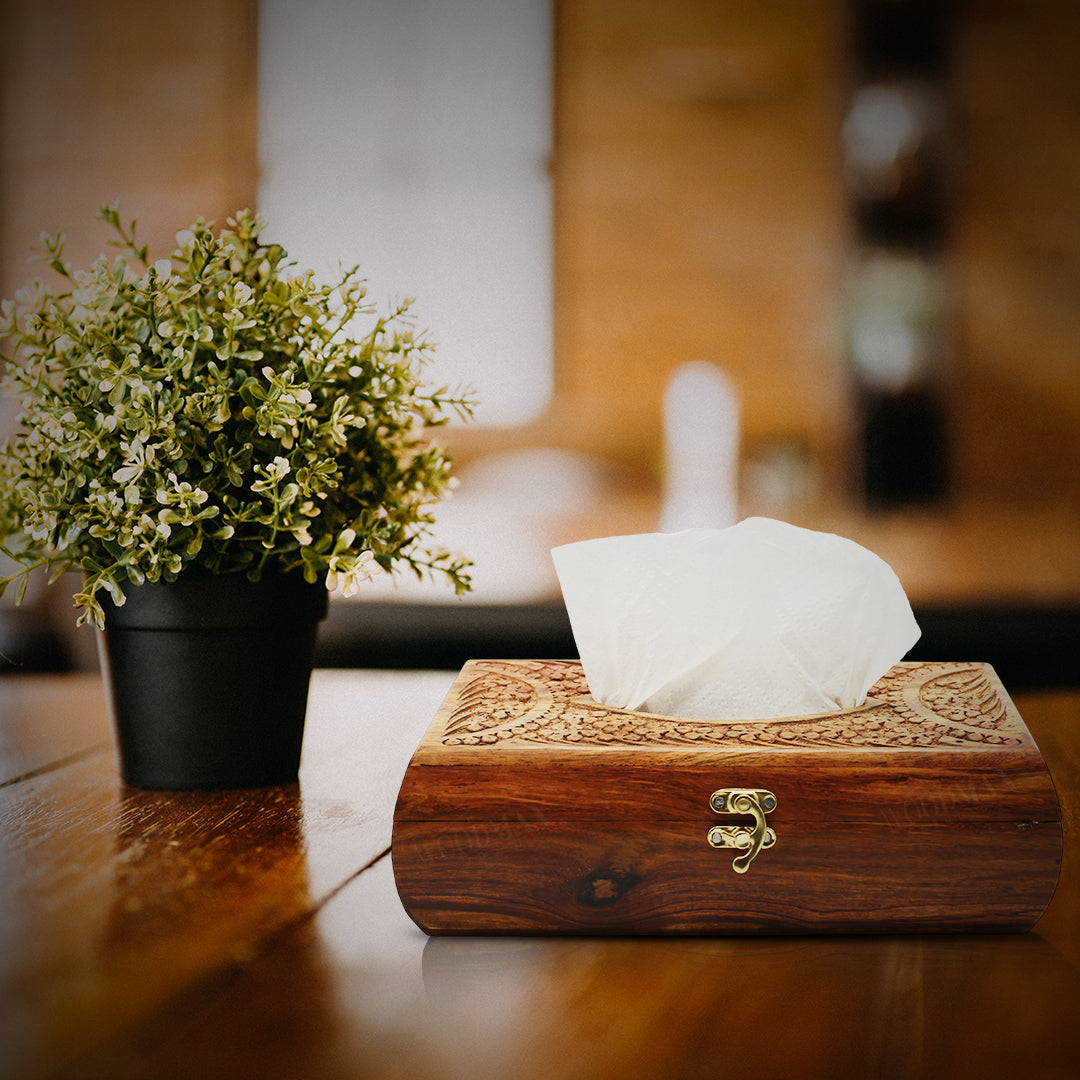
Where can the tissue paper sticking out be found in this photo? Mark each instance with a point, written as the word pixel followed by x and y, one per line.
pixel 756 621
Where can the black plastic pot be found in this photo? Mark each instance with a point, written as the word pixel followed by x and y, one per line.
pixel 208 679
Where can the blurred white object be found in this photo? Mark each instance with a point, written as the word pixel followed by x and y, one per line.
pixel 415 139
pixel 701 449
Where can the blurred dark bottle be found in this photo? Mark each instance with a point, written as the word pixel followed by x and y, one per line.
pixel 896 168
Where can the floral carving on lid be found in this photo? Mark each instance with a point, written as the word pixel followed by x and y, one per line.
pixel 547 702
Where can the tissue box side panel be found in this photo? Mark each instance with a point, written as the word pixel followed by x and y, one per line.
pixel 664 878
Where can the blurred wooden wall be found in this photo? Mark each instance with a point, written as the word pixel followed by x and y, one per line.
pixel 699 207
pixel 154 104
pixel 699 217
pixel 1016 251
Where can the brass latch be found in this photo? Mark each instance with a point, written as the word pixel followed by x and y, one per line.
pixel 749 840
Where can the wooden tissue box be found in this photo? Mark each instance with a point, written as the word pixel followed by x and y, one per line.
pixel 528 808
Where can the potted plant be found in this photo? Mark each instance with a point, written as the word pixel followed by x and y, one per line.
pixel 215 440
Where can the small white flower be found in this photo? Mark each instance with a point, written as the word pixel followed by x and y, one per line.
pixel 350 577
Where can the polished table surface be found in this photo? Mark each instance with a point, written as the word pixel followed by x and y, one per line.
pixel 258 934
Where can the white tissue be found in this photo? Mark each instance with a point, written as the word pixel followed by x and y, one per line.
pixel 759 620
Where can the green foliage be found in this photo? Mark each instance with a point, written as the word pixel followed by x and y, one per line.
pixel 216 410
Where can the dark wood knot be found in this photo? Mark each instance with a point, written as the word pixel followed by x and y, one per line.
pixel 604 887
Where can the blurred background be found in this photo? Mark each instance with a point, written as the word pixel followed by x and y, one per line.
pixel 812 259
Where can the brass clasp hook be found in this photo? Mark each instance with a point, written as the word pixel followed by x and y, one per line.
pixel 753 801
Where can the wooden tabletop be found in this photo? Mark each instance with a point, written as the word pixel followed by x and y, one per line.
pixel 259 934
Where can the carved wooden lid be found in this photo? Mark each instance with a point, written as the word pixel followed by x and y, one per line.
pixel 516 703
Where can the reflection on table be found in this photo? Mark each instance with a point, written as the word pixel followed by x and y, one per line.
pixel 259 933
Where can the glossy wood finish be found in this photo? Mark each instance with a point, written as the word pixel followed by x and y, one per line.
pixel 258 934
pixel 530 808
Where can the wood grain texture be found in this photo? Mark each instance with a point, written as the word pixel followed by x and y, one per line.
pixel 115 900
pixel 529 808
pixel 358 991
pixel 352 988
pixel 663 878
